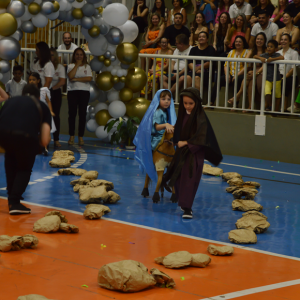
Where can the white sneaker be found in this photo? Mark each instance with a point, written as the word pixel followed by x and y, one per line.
pixel 296 109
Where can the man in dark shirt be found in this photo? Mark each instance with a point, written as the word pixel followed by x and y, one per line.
pixel 25 124
pixel 294 11
pixel 174 30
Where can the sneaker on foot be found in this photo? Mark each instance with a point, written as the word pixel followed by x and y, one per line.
pixel 45 152
pixel 18 209
pixel 188 214
pixel 296 109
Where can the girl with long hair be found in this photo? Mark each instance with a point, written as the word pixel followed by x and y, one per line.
pixel 160 8
pixel 223 7
pixel 277 16
pixel 198 25
pixel 177 8
pixel 209 10
pixel 221 33
pixel 139 14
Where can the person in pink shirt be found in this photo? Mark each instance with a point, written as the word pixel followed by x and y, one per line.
pixel 277 16
pixel 223 7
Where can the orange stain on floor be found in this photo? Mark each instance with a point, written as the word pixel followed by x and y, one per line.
pixel 62 263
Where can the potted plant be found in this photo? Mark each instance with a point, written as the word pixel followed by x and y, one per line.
pixel 124 132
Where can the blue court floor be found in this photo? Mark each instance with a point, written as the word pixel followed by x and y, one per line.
pixel 213 216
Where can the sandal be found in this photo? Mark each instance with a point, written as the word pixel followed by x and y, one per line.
pixel 80 141
pixel 57 144
pixel 71 140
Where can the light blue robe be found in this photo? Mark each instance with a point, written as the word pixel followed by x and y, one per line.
pixel 160 117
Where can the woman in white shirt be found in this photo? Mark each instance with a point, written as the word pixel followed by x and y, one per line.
pixel 59 80
pixel 43 65
pixel 80 76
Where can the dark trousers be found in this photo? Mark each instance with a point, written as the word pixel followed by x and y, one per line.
pixel 288 85
pixel 20 155
pixel 56 99
pixel 77 100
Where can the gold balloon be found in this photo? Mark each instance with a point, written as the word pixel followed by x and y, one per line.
pixel 104 81
pixel 9 24
pixel 127 53
pixel 56 6
pixel 79 0
pixel 4 3
pixel 126 94
pixel 101 58
pixel 107 62
pixel 34 8
pixel 100 9
pixel 94 31
pixel 102 117
pixel 77 13
pixel 136 79
pixel 122 79
pixel 115 79
pixel 137 107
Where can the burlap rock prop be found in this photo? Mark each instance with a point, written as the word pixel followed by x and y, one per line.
pixel 57 213
pixel 125 276
pixel 220 250
pixel 47 224
pixel 177 260
pixel 231 189
pixel 59 163
pixel 33 297
pixel 253 183
pixel 254 212
pixel 83 183
pixel 244 193
pixel 16 243
pixel 98 195
pixel 80 181
pixel 242 236
pixel 255 222
pixel 90 175
pixel 95 211
pixel 30 241
pixel 230 175
pixel 209 170
pixel 246 205
pixel 162 279
pixel 200 260
pixel 62 153
pixel 71 171
pixel 68 228
pixel 236 182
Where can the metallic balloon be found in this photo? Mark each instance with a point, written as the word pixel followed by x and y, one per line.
pixel 56 6
pixel 18 35
pixel 9 48
pixel 122 79
pixel 71 1
pixel 27 1
pixel 104 29
pixel 93 1
pixel 4 66
pixel 113 58
pixel 100 9
pixel 107 54
pixel 136 79
pixel 118 86
pixel 102 116
pixel 91 108
pixel 87 22
pixel 115 36
pixel 88 9
pixel 94 31
pixel 9 24
pixel 47 8
pixel 107 62
pixel 16 8
pixel 4 3
pixel 92 116
pixel 126 94
pixel 127 53
pixel 115 79
pixel 104 81
pixel 96 65
pixel 137 107
pixel 105 3
pixel 68 16
pixel 77 13
pixel 101 58
pixel 34 8
pixel 96 94
pixel 62 15
pixel 28 27
pixel 79 1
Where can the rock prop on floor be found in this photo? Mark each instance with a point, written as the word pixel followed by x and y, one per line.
pixel 231 189
pixel 80 182
pixel 62 153
pixel 162 279
pixel 220 250
pixel 57 213
pixel 125 276
pixel 99 194
pixel 90 175
pixel 246 205
pixel 62 159
pixel 200 260
pixel 252 183
pixel 209 170
pixel 253 222
pixel 68 228
pixel 33 297
pixel 15 243
pixel 71 171
pixel 230 175
pixel 242 236
pixel 95 211
pixel 244 193
pixel 254 212
pixel 236 182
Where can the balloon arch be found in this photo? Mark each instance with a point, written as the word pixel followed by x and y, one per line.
pixel 109 33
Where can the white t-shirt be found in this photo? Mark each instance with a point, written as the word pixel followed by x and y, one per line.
pixel 181 61
pixel 289 55
pixel 245 9
pixel 270 31
pixel 60 72
pixel 47 71
pixel 65 56
pixel 43 92
pixel 15 88
pixel 83 71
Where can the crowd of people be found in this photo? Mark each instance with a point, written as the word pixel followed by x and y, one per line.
pixel 234 29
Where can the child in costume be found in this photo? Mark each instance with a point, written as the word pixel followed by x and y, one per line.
pixel 159 117
pixel 196 141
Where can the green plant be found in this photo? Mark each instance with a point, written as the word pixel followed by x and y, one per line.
pixel 125 131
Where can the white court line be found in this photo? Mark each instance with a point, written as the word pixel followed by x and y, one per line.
pixel 48 177
pixel 31 182
pixel 40 180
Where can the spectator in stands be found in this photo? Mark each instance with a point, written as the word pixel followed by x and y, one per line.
pixel 15 86
pixel 240 7
pixel 80 76
pixel 67 45
pixel 223 7
pixel 277 16
pixel 294 11
pixel 43 65
pixel 196 27
pixel 139 15
pixel 59 80
pixel 203 50
pixel 174 30
pixel 161 9
pixel 290 29
pixel 240 50
pixel 209 11
pixel 178 8
pixel 239 28
pixel 263 5
pixel 183 48
pixel 289 54
pixel 264 25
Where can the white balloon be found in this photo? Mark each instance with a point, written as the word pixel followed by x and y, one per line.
pixel 108 69
pixel 19 21
pixel 130 31
pixel 124 72
pixel 75 22
pixel 100 106
pixel 115 63
pixel 39 20
pixel 98 46
pixel 38 1
pixel 78 4
pixel 101 133
pixel 98 4
pixel 6 77
pixel 69 6
pixel 53 16
pixel 63 5
pixel 1 76
pixel 114 72
pixel 27 16
pixel 120 73
pixel 115 14
pixel 112 49
pixel 91 125
pixel 113 95
pixel 117 109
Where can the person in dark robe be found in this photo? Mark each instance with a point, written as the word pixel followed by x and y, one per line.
pixel 196 141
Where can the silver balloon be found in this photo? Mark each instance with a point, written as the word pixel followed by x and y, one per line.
pixel 68 16
pixel 28 1
pixel 16 8
pixel 88 9
pixel 9 48
pixel 4 66
pixel 115 36
pixel 118 86
pixel 94 94
pixel 18 35
pixel 107 54
pixel 47 8
pixel 87 22
pixel 98 20
pixel 28 27
pixel 96 65
pixel 123 66
pixel 62 15
pixel 104 29
pixel 53 16
pixel 91 108
pixel 104 3
pixel 92 1
pixel 113 58
pixel 70 1
pixel 92 115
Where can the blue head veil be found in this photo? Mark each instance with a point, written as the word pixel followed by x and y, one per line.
pixel 142 140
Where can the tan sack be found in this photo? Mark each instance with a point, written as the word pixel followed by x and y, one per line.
pixel 47 224
pixel 71 171
pixel 177 260
pixel 200 260
pixel 90 175
pixel 162 278
pixel 220 250
pixel 209 170
pixel 57 213
pixel 229 175
pixel 30 241
pixel 8 243
pixel 59 163
pixel 33 297
pixel 95 211
pixel 80 181
pixel 62 153
pixel 113 197
pixel 159 260
pixel 93 195
pixel 253 222
pixel 245 193
pixel 245 205
pixel 68 228
pixel 235 182
pixel 242 236
pixel 97 182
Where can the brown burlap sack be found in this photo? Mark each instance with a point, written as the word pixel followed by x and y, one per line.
pixel 98 182
pixel 80 181
pixel 162 278
pixel 8 243
pixel 62 153
pixel 245 193
pixel 230 175
pixel 242 236
pixel 254 212
pixel 245 205
pixel 177 260
pixel 235 182
pixel 200 260
pixel 209 170
pixel 90 175
pixel 113 197
pixel 68 228
pixel 30 241
pixel 95 211
pixel 93 195
pixel 220 250
pixel 33 297
pixel 59 163
pixel 253 222
pixel 47 224
pixel 57 213
pixel 159 260
pixel 71 171
pixel 253 183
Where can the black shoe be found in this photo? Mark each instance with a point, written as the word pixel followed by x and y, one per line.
pixel 18 209
pixel 45 152
pixel 181 209
pixel 188 214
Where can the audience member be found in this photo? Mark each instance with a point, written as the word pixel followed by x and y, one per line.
pixel 277 16
pixel 223 7
pixel 209 11
pixel 296 105
pixel 197 26
pixel 173 30
pixel 178 8
pixel 263 5
pixel 161 9
pixel 240 7
pixel 264 25
pixel 294 11
pixel 15 86
pixel 67 45
pixel 80 76
pixel 139 14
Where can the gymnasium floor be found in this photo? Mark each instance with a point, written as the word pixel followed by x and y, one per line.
pixel 138 229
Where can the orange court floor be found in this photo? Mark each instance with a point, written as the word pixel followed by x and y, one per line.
pixel 62 263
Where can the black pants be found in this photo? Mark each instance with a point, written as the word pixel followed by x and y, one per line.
pixel 56 105
pixel 223 83
pixel 77 100
pixel 141 23
pixel 288 85
pixel 20 152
